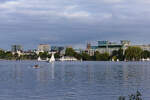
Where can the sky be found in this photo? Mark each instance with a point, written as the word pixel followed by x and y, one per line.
pixel 73 22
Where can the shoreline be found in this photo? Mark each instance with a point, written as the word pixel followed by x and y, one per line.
pixel 71 61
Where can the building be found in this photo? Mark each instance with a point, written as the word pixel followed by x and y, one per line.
pixel 144 47
pixel 44 48
pixel 68 47
pixel 57 48
pixel 79 51
pixel 106 46
pixel 15 48
pixel 67 58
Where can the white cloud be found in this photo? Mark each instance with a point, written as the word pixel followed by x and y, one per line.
pixel 80 14
pixel 71 7
pixel 113 1
pixel 9 4
pixel 43 8
pixel 99 9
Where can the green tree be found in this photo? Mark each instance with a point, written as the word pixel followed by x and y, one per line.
pixel 57 55
pixel 44 55
pixel 114 53
pixel 9 55
pixel 85 56
pixel 101 56
pixel 114 58
pixel 69 52
pixel 29 56
pixel 77 55
pixel 145 54
pixel 2 54
pixel 120 55
pixel 97 56
pixel 133 53
pixel 104 56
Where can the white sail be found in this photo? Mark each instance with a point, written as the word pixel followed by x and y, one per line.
pixel 52 59
pixel 47 59
pixel 39 58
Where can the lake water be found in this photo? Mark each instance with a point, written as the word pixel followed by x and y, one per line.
pixel 73 80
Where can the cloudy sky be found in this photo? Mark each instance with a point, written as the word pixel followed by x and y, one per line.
pixel 73 22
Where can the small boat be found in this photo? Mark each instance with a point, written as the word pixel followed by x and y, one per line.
pixel 36 66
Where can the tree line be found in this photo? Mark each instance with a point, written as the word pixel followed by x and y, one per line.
pixel 8 55
pixel 130 54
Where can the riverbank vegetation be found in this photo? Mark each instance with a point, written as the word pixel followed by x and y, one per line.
pixel 7 55
pixel 130 54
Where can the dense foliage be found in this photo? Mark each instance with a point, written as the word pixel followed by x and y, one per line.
pixel 133 53
pixel 6 55
pixel 100 56
pixel 145 54
pixel 118 55
pixel 70 52
pixel 10 56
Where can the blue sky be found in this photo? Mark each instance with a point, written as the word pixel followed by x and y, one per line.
pixel 73 22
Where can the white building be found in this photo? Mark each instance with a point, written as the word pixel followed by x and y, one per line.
pixel 67 58
pixel 106 46
pixel 43 48
pixel 143 47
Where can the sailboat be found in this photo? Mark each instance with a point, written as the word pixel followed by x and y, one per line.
pixel 52 59
pixel 39 58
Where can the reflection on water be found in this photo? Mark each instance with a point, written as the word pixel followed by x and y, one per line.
pixel 52 70
pixel 73 80
pixel 17 73
pixel 43 74
pixel 90 74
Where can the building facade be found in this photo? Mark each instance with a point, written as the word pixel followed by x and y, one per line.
pixel 107 47
pixel 144 47
pixel 44 48
pixel 58 49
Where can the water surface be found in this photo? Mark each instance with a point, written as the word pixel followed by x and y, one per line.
pixel 73 80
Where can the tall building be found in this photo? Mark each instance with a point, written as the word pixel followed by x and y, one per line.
pixel 88 46
pixel 15 48
pixel 44 48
